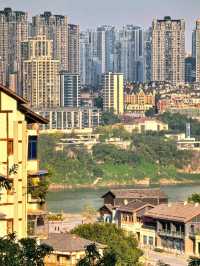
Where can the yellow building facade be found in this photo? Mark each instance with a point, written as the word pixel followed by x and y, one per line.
pixel 113 92
pixel 17 122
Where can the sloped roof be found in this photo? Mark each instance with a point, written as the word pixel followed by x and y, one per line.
pixel 136 193
pixel 12 94
pixel 178 211
pixel 133 206
pixel 31 116
pixel 68 242
pixel 109 207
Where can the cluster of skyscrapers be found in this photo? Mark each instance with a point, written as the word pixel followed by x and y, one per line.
pixel 47 60
pixel 37 57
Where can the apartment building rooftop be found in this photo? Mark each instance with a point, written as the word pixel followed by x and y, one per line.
pixel 179 211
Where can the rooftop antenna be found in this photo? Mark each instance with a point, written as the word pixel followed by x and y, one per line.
pixel 188 131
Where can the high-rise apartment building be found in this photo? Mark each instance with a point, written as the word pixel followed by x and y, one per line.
pixel 13 30
pixel 168 50
pixel 129 53
pixel 69 89
pixel 74 48
pixel 105 47
pixel 147 54
pixel 55 27
pixel 197 49
pixel 113 92
pixel 41 84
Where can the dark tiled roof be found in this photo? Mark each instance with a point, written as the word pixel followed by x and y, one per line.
pixel 178 211
pixel 136 193
pixel 68 243
pixel 133 206
pixel 107 206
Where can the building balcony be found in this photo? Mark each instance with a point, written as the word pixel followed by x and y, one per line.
pixel 168 233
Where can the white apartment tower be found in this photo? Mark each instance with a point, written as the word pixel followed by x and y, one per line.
pixel 168 50
pixel 113 92
pixel 41 84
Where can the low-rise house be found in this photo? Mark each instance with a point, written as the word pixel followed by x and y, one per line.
pixel 115 198
pixel 68 249
pixel 130 216
pixel 174 227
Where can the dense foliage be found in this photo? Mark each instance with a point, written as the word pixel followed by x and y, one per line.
pixel 123 248
pixel 150 155
pixel 94 258
pixel 177 123
pixel 194 198
pixel 156 148
pixel 109 118
pixel 25 252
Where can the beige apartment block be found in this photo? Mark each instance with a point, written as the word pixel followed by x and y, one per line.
pixel 41 84
pixel 54 27
pixel 168 50
pixel 113 92
pixel 18 126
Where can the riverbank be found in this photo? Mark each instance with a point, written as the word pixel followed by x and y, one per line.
pixel 75 200
pixel 139 183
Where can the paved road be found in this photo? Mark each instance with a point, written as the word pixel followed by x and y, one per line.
pixel 173 260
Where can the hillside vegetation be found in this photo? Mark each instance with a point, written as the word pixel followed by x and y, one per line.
pixel 150 155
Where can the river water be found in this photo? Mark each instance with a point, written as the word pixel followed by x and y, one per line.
pixel 74 200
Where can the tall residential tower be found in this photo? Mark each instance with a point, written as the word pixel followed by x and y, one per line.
pixel 168 50
pixel 41 84
pixel 113 92
pixel 13 30
pixel 55 27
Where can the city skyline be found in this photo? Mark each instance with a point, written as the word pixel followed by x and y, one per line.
pixel 140 13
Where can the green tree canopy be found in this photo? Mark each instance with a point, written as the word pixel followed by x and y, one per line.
pixel 194 198
pixel 25 252
pixel 123 248
pixel 109 118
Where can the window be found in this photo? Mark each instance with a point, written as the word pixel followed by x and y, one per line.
pixel 10 226
pixel 151 241
pixel 145 240
pixel 32 147
pixel 10 146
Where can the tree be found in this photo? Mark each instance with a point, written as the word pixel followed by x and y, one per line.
pixel 195 198
pixel 93 257
pixel 123 248
pixel 194 261
pixel 98 102
pixel 25 252
pixel 109 118
pixel 151 112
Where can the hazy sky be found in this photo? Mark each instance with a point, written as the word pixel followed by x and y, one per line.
pixel 90 13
